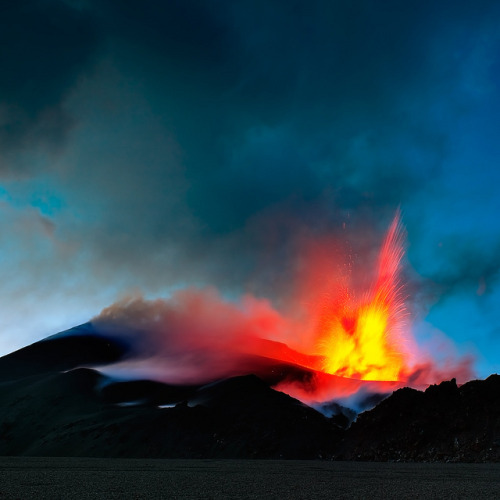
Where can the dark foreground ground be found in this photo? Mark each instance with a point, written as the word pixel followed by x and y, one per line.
pixel 69 478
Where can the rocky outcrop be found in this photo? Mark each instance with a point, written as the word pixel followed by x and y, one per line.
pixel 444 423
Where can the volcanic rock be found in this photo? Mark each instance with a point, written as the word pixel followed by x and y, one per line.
pixel 444 423
pixel 69 414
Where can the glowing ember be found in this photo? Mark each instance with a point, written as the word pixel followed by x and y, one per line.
pixel 361 339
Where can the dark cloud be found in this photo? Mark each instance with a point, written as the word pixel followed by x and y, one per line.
pixel 467 266
pixel 46 45
pixel 209 127
pixel 189 34
pixel 277 102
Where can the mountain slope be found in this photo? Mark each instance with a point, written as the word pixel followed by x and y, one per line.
pixel 53 404
pixel 68 414
pixel 445 423
pixel 80 346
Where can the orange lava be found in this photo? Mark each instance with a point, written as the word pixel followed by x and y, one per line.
pixel 361 337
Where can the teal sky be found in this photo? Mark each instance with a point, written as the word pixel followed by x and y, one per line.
pixel 147 146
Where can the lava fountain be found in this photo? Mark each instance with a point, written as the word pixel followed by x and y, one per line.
pixel 362 338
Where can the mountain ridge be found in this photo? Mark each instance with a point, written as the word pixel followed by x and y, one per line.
pixel 56 403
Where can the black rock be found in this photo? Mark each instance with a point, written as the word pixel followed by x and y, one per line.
pixel 68 414
pixel 444 423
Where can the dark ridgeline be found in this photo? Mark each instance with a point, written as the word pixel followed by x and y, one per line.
pixel 54 404
pixel 81 345
pixel 443 423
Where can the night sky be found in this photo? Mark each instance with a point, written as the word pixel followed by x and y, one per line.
pixel 147 146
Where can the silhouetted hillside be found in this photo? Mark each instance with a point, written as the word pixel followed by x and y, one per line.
pixel 53 404
pixel 446 423
pixel 69 414
pixel 80 346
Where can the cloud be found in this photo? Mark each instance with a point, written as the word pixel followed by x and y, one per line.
pixel 467 266
pixel 47 45
pixel 199 143
pixel 324 108
pixel 199 135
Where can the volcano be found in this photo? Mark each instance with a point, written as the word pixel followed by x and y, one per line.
pixel 342 332
pixel 57 400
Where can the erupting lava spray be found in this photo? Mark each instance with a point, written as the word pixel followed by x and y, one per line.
pixel 362 337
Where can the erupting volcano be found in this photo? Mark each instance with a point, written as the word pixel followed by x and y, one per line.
pixel 344 332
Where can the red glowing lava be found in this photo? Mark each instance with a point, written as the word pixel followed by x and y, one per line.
pixel 361 337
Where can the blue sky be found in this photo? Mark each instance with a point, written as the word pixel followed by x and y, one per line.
pixel 146 146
